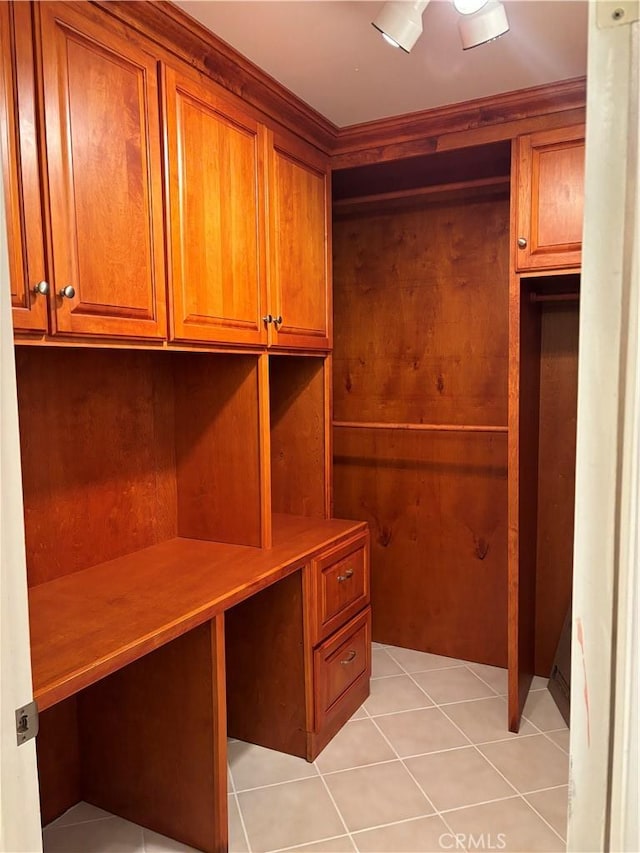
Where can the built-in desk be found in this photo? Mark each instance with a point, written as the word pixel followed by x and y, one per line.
pixel 136 647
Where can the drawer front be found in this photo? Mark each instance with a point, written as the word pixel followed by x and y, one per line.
pixel 341 585
pixel 340 663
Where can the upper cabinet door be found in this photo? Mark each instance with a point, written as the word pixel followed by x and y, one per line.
pixel 299 245
pixel 104 167
pixel 215 219
pixel 550 196
pixel 21 169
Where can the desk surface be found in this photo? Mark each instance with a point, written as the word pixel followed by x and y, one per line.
pixel 86 625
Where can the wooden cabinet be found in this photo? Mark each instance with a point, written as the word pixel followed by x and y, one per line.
pixel 340 664
pixel 549 195
pixel 104 177
pixel 20 162
pixel 340 581
pixel 306 685
pixel 215 223
pixel 299 245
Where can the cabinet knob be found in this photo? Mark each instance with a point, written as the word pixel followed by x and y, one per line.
pixel 278 320
pixel 41 287
pixel 345 577
pixel 522 242
pixel 69 291
pixel 350 657
pixel 267 319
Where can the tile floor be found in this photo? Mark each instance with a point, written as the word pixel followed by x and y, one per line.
pixel 425 765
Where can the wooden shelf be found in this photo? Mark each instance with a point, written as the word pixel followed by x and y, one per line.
pixel 420 427
pixel 87 625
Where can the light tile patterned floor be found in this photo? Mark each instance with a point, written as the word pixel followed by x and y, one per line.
pixel 425 765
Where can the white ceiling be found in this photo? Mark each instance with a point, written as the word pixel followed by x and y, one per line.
pixel 327 52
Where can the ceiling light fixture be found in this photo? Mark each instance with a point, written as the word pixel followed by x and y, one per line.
pixel 400 22
pixel 468 7
pixel 483 25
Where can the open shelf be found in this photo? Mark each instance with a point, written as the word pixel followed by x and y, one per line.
pixel 299 427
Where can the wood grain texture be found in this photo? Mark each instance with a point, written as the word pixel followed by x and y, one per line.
pixel 101 100
pixel 341 585
pixel 550 198
pixel 429 170
pixel 59 770
pixel 266 668
pixel 524 415
pixel 216 215
pixel 340 664
pixel 21 167
pixel 420 314
pixel 418 427
pixel 87 625
pixel 299 210
pixel 176 32
pixel 421 338
pixel 298 435
pixel 98 459
pixel 477 121
pixel 153 741
pixel 556 477
pixel 217 439
pixel 436 506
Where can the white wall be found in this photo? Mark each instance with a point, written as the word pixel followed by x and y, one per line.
pixel 604 713
pixel 19 803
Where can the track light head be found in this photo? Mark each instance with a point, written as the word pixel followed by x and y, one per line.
pixel 400 22
pixel 486 24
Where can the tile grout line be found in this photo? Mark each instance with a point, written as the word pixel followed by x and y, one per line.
pixel 335 805
pixel 518 794
pixel 537 731
pixel 234 792
pixel 419 786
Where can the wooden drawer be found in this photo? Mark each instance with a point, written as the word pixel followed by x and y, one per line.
pixel 341 585
pixel 340 665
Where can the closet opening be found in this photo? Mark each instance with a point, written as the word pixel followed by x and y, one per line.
pixel 421 356
pixel 549 320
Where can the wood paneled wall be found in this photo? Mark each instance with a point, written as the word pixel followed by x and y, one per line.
pixel 421 309
pixel 125 449
pixel 98 460
pixel 556 476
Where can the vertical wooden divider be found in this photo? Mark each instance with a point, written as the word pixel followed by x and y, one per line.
pixel 524 418
pixel 264 418
pixel 218 448
pixel 328 435
pixel 153 740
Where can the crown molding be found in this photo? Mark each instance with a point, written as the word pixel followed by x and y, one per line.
pixel 485 119
pixel 421 132
pixel 178 33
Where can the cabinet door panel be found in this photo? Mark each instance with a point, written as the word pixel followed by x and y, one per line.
pixel 19 144
pixel 299 247
pixel 215 199
pixel 103 147
pixel 550 199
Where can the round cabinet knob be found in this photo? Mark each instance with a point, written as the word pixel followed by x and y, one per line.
pixel 522 242
pixel 41 287
pixel 68 292
pixel 278 320
pixel 267 319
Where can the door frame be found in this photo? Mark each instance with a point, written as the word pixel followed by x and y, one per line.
pixel 603 782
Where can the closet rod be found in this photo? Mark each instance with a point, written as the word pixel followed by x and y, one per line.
pixel 420 427
pixel 555 297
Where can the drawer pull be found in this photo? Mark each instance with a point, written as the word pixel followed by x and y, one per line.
pixel 345 577
pixel 350 657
